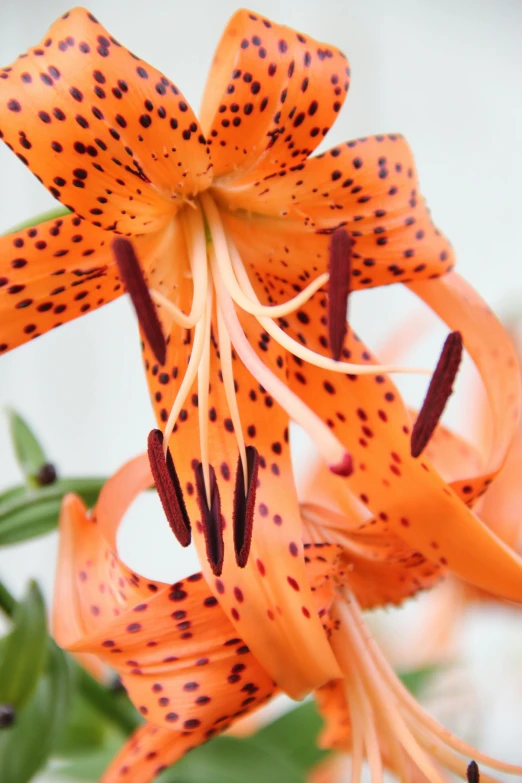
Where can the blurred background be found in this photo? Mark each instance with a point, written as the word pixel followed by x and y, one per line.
pixel 447 75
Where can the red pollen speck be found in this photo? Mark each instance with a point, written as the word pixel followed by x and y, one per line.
pixel 344 467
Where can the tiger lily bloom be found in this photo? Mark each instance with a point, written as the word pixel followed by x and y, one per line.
pixel 248 248
pixel 190 673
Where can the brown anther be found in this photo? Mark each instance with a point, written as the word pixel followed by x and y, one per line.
pixel 344 467
pixel 473 772
pixel 168 486
pixel 136 286
pixel 338 289
pixel 439 391
pixel 244 505
pixel 211 519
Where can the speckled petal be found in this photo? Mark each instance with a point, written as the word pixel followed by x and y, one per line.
pixel 367 414
pixel 177 654
pixel 149 752
pixel 269 601
pixel 105 132
pixel 271 97
pixel 51 274
pixel 494 355
pixel 370 188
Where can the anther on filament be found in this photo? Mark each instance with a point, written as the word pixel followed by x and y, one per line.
pixel 136 286
pixel 211 519
pixel 338 289
pixel 168 487
pixel 244 505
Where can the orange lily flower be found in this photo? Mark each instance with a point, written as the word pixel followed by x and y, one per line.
pixel 248 247
pixel 189 672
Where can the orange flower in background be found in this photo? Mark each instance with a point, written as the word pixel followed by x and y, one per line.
pixel 191 675
pixel 248 247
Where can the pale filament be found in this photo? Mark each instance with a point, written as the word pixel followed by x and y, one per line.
pixel 422 729
pixel 252 306
pixel 311 357
pixel 357 749
pixel 225 354
pixel 189 377
pixel 330 447
pixel 203 391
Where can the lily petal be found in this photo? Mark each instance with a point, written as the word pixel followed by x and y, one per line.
pixel 369 187
pixel 106 133
pixel 271 96
pixel 150 751
pixel 175 650
pixel 406 493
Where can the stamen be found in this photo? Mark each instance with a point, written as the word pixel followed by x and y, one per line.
pixel 439 391
pixel 338 289
pixel 295 348
pixel 134 281
pixel 225 356
pixel 190 375
pixel 225 262
pixel 203 391
pixel 244 505
pixel 330 447
pixel 169 488
pixel 211 518
pixel 473 772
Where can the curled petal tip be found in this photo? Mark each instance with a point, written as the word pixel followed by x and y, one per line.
pixel 136 286
pixel 338 289
pixel 211 518
pixel 344 467
pixel 244 506
pixel 473 773
pixel 439 391
pixel 168 487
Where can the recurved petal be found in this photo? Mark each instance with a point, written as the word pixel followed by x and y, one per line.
pixel 370 187
pixel 105 132
pixel 369 417
pixel 491 349
pixel 271 96
pixel 177 654
pixel 149 752
pixel 52 273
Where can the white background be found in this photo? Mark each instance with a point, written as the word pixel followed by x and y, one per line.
pixel 447 74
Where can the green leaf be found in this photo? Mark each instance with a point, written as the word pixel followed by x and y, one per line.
pixel 29 453
pixel 57 212
pixel 25 515
pixel 24 650
pixel 85 730
pixel 90 766
pixel 294 734
pixel 25 748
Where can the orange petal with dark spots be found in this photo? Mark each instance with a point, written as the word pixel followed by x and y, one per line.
pixel 367 187
pixel 149 751
pixel 176 652
pixel 271 96
pixel 368 416
pixel 105 132
pixel 51 274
